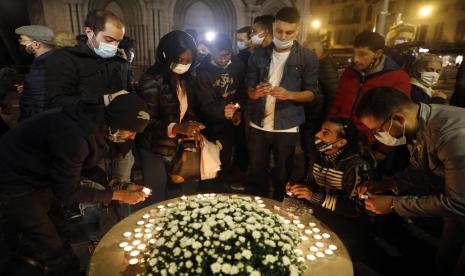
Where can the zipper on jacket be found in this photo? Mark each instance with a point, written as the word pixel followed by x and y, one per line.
pixel 362 83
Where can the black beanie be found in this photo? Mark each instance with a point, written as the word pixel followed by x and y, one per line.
pixel 127 112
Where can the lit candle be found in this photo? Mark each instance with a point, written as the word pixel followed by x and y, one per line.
pixel 332 247
pixel 317 237
pixel 286 221
pixel 199 196
pixel 133 261
pixel 146 190
pixel 296 221
pixel 259 201
pixel 320 254
pixel 152 241
pixel 304 238
pixel 137 230
pixel 152 220
pixel 159 228
pixel 316 230
pixel 138 235
pixel 300 226
pixel 128 248
pixel 312 224
pixel 170 204
pixel 141 246
pixel 134 253
pixel 136 242
pixel 262 205
pixel 329 252
pixel 147 231
pixel 146 216
pixel 319 244
pixel 257 198
pixel 184 197
pixel 123 244
pixel 148 236
pixel 127 234
pixel 149 225
pixel 160 207
pixel 298 251
pixel 212 194
pixel 311 257
pixel 313 248
pixel 140 222
pixel 308 231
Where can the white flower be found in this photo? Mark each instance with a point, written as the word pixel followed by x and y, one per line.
pixel 189 264
pixel 294 270
pixel 187 254
pixel 226 268
pixel 256 235
pixel 269 259
pixel 255 273
pixel 177 251
pixel 286 260
pixel 247 254
pixel 172 269
pixel 196 245
pixel 215 267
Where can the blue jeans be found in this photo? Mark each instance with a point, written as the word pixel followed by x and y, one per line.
pixel 155 174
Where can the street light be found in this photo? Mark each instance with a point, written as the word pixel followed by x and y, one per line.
pixel 316 24
pixel 425 11
pixel 210 36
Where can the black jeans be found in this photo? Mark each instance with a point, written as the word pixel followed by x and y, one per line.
pixel 451 252
pixel 282 145
pixel 38 216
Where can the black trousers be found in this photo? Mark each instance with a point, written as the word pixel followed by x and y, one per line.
pixel 451 252
pixel 38 216
pixel 282 145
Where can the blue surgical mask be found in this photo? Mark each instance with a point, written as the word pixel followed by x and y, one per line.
pixel 280 44
pixel 241 45
pixel 105 50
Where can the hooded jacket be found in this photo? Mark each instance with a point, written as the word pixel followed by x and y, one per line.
pixel 354 84
pixel 50 151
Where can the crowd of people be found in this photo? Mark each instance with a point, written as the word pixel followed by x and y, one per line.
pixel 378 139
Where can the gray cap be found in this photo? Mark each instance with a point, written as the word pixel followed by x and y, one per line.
pixel 37 33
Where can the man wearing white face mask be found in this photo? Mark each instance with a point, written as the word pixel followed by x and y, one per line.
pixel 262 31
pixel 424 74
pixel 281 78
pixel 94 70
pixel 435 135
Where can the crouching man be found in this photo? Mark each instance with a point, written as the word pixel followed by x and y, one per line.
pixel 41 164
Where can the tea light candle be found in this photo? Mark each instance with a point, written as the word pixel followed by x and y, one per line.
pixel 138 235
pixel 329 252
pixel 304 238
pixel 134 253
pixel 123 244
pixel 311 257
pixel 136 242
pixel 332 247
pixel 137 230
pixel 159 228
pixel 199 196
pixel 308 231
pixel 312 224
pixel 262 205
pixel 141 246
pixel 147 231
pixel 146 216
pixel 298 251
pixel 317 237
pixel 326 235
pixel 152 220
pixel 148 236
pixel 316 230
pixel 170 204
pixel 212 194
pixel 286 221
pixel 320 254
pixel 149 225
pixel 296 221
pixel 140 222
pixel 128 248
pixel 160 207
pixel 300 226
pixel 313 248
pixel 257 198
pixel 319 244
pixel 152 241
pixel 133 261
pixel 146 190
pixel 127 234
pixel 183 197
pixel 259 201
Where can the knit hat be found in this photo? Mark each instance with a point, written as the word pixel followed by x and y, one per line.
pixel 37 33
pixel 127 112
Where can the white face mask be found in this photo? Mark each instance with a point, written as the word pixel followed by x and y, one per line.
pixel 257 40
pixel 389 140
pixel 179 68
pixel 241 45
pixel 323 147
pixel 429 78
pixel 280 44
pixel 105 50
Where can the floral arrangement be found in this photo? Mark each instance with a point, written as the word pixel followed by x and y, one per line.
pixel 219 234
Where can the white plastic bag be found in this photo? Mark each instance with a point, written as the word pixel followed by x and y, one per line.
pixel 210 163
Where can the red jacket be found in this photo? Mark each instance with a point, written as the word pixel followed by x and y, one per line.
pixel 352 86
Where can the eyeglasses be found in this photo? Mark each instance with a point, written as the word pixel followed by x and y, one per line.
pixel 378 129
